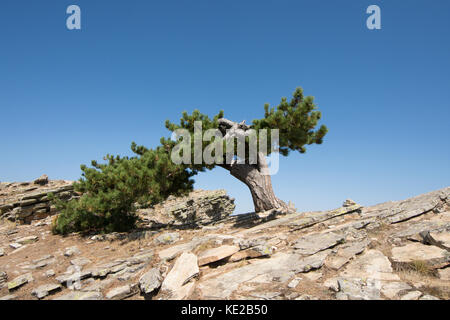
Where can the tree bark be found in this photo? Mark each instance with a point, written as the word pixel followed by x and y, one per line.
pixel 255 176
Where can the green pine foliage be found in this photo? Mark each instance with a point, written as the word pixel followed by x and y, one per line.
pixel 109 191
pixel 296 121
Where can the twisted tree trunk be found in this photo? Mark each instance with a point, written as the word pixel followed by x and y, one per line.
pixel 255 176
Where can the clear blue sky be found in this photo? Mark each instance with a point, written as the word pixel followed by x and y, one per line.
pixel 68 97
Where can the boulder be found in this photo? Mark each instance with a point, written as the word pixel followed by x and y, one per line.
pixel 200 207
pixel 42 180
pixel 348 203
pixel 150 281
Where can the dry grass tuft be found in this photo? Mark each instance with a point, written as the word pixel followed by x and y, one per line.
pixel 421 267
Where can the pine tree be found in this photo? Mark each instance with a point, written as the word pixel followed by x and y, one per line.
pixel 110 191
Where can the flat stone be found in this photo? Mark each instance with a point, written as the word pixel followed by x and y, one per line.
pixel 412 295
pixel 79 295
pixel 432 255
pixel 444 274
pixel 43 262
pixel 141 257
pixel 20 281
pixel 224 284
pixel 150 281
pixel 310 219
pixel 265 295
pixel 50 273
pixel 170 253
pixel 246 243
pixel 67 280
pixel 372 264
pixel 167 238
pixel 8 297
pixel 306 264
pixel 391 289
pixel 281 276
pixel 307 297
pixel 43 258
pixel 80 262
pixel 15 245
pixel 313 243
pixel 253 252
pixel 122 292
pixel 45 290
pixel 357 289
pixel 428 297
pixel 184 269
pixel 3 279
pixel 103 270
pixel 294 283
pixel 441 239
pixel 27 202
pixel 97 285
pixel 21 248
pixel 313 276
pixel 413 229
pixel 216 254
pixel 119 267
pixel 345 253
pixel 71 251
pixel 332 284
pixel 182 293
pixel 127 273
pixel 2 252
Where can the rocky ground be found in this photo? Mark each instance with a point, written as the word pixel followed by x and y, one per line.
pixel 191 248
